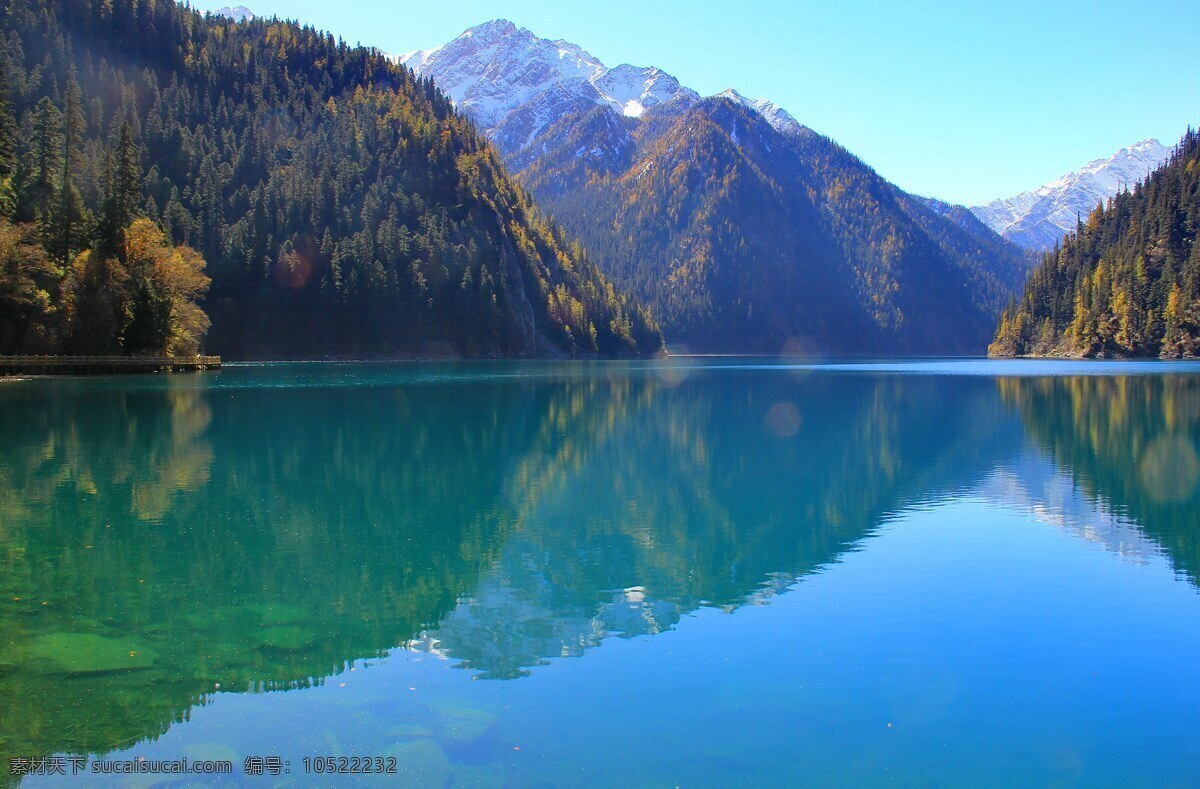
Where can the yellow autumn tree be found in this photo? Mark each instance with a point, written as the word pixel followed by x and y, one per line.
pixel 27 280
pixel 142 301
pixel 170 280
pixel 1172 344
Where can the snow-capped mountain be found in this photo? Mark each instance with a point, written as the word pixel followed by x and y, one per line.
pixel 514 84
pixel 237 14
pixel 1040 218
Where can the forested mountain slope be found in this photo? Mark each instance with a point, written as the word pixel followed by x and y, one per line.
pixel 744 237
pixel 1127 282
pixel 342 205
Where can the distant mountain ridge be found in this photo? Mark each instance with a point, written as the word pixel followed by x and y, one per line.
pixel 742 229
pixel 1038 219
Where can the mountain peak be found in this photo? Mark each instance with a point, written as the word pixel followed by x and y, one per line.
pixel 492 69
pixel 505 76
pixel 479 36
pixel 1150 143
pixel 498 27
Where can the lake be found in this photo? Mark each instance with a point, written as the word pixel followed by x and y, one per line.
pixel 693 572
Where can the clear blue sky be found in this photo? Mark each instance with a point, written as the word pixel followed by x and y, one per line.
pixel 955 99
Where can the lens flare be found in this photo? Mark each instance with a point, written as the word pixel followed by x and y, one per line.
pixel 783 420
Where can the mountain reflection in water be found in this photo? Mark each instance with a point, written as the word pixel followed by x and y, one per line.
pixel 263 528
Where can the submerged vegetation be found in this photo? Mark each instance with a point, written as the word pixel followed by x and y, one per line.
pixel 1126 283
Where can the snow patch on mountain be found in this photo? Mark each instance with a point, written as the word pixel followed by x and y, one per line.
pixel 515 84
pixel 1039 219
pixel 495 68
pixel 633 90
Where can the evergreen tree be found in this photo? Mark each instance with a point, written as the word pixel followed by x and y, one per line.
pixel 123 191
pixel 67 230
pixel 45 150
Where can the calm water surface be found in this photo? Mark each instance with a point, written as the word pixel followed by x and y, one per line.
pixel 695 573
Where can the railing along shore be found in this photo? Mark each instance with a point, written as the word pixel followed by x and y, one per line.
pixel 102 365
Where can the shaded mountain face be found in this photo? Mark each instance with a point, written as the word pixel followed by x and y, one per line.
pixel 1039 219
pixel 743 237
pixel 742 229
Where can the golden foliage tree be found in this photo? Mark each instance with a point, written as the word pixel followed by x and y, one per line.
pixel 142 301
pixel 27 280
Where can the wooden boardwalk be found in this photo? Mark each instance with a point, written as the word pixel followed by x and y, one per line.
pixel 103 365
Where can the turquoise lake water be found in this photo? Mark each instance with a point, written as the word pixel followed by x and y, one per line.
pixel 694 572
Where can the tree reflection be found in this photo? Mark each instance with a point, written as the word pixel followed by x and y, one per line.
pixel 1129 443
